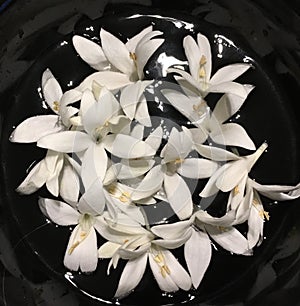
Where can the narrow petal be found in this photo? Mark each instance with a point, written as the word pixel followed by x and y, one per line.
pixel 179 195
pixel 138 131
pixel 154 139
pixel 151 183
pixel 187 77
pixel 90 52
pixel 215 153
pixel 166 283
pixel 210 188
pixel 94 164
pixel 116 52
pixel 66 142
pixel 230 88
pixel 52 92
pixel 108 249
pixel 229 104
pixel 85 255
pixel 59 212
pixel 193 54
pixel 177 272
pixel 229 73
pixel 69 183
pixel 52 183
pixel 142 113
pixel 134 168
pixel 198 135
pixel 174 243
pixel 197 168
pixel 70 97
pixel 131 275
pixel 112 174
pixel 229 239
pixel 125 146
pixel 34 128
pixel 93 200
pixel 197 254
pixel 255 226
pixel 132 42
pixel 36 178
pixel 172 230
pixel 87 101
pixel 205 50
pixel 233 134
pixel 224 221
pixel 110 79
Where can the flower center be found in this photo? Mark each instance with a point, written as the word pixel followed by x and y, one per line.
pixel 123 196
pixel 100 132
pixel 133 56
pixel 56 106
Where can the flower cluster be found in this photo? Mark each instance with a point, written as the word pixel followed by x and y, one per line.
pixel 102 167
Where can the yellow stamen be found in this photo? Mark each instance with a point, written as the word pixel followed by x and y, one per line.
pixel 73 247
pixel 222 228
pixel 264 215
pixel 202 73
pixel 157 259
pixel 126 240
pixel 197 107
pixel 255 202
pixel 133 56
pixel 203 60
pixel 166 268
pixel 83 235
pixel 267 215
pixel 112 189
pixel 236 191
pixel 178 161
pixel 56 106
pixel 163 272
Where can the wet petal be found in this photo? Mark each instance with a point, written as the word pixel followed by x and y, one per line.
pixel 197 168
pixel 94 165
pixel 229 239
pixel 154 139
pixel 229 73
pixel 151 183
pixel 34 128
pixel 197 254
pixel 131 275
pixel 179 195
pixel 59 212
pixel 233 134
pixel 134 168
pixel 193 54
pixel 65 142
pixel 90 52
pixel 116 52
pixel 142 114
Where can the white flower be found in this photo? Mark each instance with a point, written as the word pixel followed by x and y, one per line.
pixel 102 125
pixel 233 175
pixel 34 128
pixel 200 65
pixel 81 252
pixel 175 163
pixel 211 124
pixel 60 174
pixel 137 245
pixel 129 58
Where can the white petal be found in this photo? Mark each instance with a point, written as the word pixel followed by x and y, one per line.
pixel 173 243
pixel 134 168
pixel 229 238
pixel 108 249
pixel 36 178
pixel 70 97
pixel 34 128
pixel 132 42
pixel 177 272
pixel 151 183
pixel 125 146
pixel 237 194
pixel 255 226
pixel 94 164
pixel 178 146
pixel 87 101
pixel 85 255
pixel 224 221
pixel 186 105
pixel 90 52
pixel 179 195
pixel 93 200
pixel 59 212
pixel 172 230
pixel 110 79
pixel 166 284
pixel 229 104
pixel 69 183
pixel 193 55
pixel 145 50
pixel 210 188
pixel 131 95
pixel 53 179
pixel 47 75
pixel 197 253
pixel 197 168
pixel 112 174
pixel 198 135
pixel 205 50
pixel 229 73
pixel 52 92
pixel 138 132
pixel 142 113
pixel 215 153
pixel 230 88
pixel 154 139
pixel 233 134
pixel 116 52
pixel 131 275
pixel 66 142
